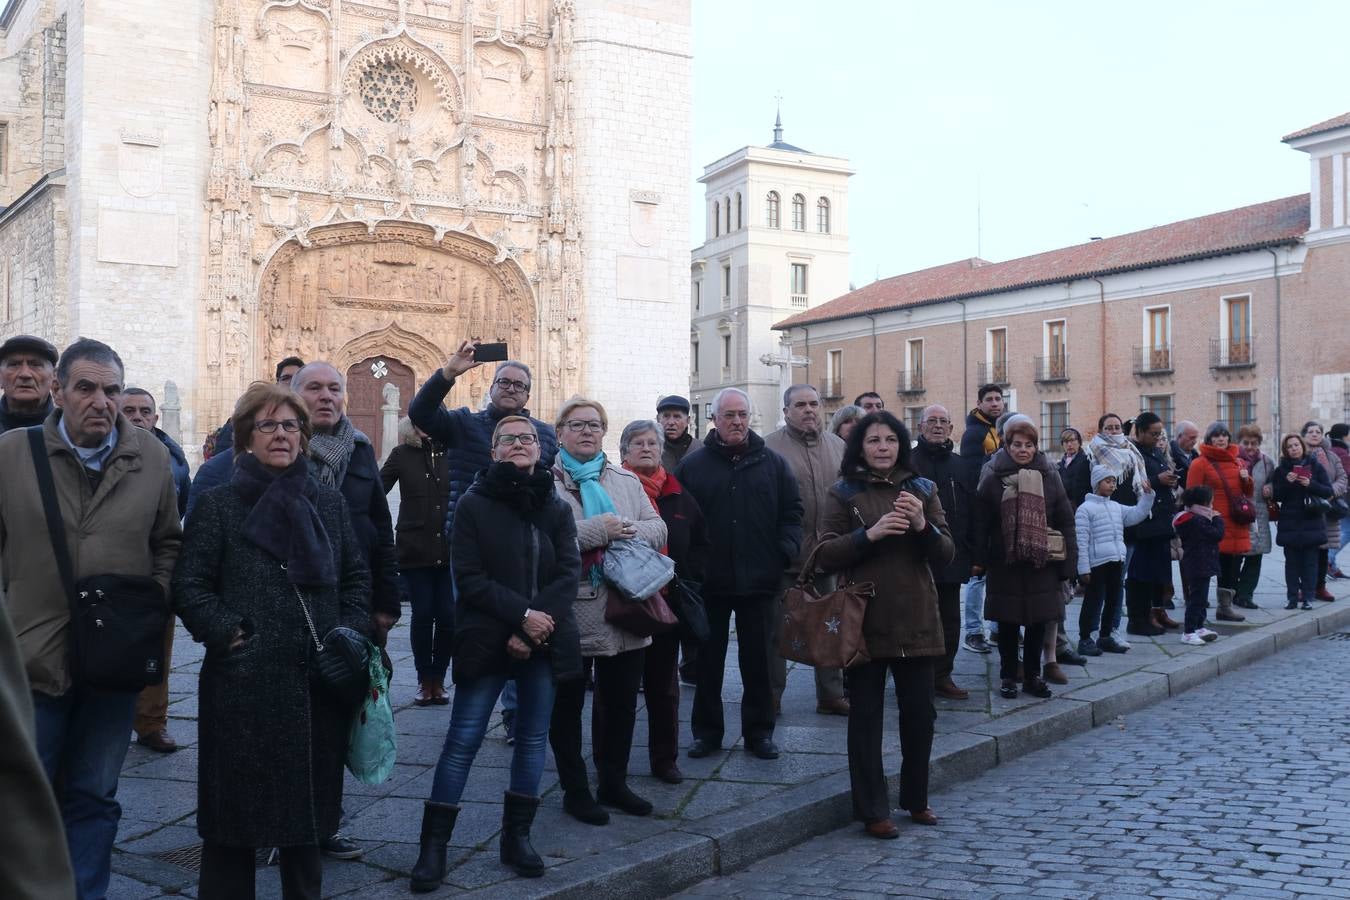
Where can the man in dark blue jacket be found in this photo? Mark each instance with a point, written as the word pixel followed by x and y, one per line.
pixel 466 434
pixel 753 511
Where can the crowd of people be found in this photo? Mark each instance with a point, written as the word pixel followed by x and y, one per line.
pixel 281 555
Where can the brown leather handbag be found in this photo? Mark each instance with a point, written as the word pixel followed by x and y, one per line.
pixel 643 618
pixel 825 632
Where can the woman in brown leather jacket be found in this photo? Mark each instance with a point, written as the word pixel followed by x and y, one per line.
pixel 889 530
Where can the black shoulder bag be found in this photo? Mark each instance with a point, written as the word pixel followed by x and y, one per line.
pixel 117 622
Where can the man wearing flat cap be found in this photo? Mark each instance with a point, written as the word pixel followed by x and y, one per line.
pixel 27 371
pixel 673 415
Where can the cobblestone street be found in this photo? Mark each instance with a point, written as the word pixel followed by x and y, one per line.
pixel 1238 788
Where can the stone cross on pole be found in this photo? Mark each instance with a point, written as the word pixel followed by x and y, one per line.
pixel 784 361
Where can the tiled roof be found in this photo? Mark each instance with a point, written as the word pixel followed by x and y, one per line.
pixel 1329 125
pixel 1250 227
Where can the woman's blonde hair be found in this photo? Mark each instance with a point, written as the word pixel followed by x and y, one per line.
pixel 260 396
pixel 577 403
pixel 511 420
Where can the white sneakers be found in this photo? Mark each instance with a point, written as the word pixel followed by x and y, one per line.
pixel 1199 637
pixel 1208 635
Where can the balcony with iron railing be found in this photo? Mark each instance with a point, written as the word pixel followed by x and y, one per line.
pixel 1226 354
pixel 1153 360
pixel 909 382
pixel 1050 369
pixel 832 389
pixel 993 372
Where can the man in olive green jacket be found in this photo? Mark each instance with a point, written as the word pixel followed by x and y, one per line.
pixel 813 454
pixel 120 511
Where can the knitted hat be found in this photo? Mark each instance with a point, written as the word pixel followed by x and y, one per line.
pixel 1099 472
pixel 1019 422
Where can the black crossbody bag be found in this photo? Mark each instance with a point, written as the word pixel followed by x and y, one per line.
pixel 117 622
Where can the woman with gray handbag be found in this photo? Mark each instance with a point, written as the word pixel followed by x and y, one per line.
pixel 272 580
pixel 889 529
pixel 608 505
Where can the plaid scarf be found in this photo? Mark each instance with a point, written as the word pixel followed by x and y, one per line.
pixel 1023 516
pixel 332 452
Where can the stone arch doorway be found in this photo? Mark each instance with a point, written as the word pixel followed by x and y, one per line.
pixel 355 292
pixel 367 384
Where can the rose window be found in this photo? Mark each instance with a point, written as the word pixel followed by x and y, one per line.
pixel 388 91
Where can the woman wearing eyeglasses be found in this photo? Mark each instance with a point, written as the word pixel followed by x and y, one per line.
pixel 608 504
pixel 515 565
pixel 271 748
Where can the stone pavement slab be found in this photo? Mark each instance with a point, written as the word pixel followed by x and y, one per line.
pixel 732 808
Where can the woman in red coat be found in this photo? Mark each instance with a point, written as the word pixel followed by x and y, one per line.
pixel 1220 467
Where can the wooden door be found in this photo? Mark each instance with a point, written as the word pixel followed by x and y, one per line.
pixel 365 395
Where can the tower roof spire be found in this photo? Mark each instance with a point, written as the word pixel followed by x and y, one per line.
pixel 778 121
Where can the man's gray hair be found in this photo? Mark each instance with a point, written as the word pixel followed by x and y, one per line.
pixel 1182 426
pixel 514 364
pixel 843 415
pixel 299 377
pixel 88 350
pixel 787 395
pixel 924 415
pixel 637 427
pixel 717 399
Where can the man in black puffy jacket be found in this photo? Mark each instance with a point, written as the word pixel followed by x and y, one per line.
pixel 955 479
pixel 753 511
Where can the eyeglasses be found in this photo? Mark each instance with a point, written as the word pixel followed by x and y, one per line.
pixel 510 384
pixel 269 426
pixel 937 421
pixel 524 440
pixel 578 425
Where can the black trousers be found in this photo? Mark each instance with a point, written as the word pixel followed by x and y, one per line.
pixel 754 623
pixel 613 712
pixel 1007 650
pixel 1230 570
pixel 228 873
pixel 1101 600
pixel 949 609
pixel 913 678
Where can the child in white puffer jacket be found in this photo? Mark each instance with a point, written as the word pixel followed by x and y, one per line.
pixel 1100 524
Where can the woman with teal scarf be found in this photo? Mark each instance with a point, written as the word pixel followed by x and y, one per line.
pixel 609 504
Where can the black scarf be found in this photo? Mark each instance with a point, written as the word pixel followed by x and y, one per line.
pixel 523 491
pixel 283 520
pixel 9 419
pixel 732 452
pixel 935 452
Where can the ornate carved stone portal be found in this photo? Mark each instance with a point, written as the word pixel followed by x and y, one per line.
pixel 389 177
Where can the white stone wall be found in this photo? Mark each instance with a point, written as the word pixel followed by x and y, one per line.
pixel 634 90
pixel 136 103
pixel 33 248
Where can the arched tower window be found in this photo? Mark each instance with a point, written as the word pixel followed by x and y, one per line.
pixel 740 223
pixel 771 210
pixel 798 212
pixel 823 215
pixel 717 218
pixel 727 229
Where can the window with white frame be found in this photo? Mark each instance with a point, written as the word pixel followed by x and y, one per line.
pixel 1161 405
pixel 1237 408
pixel 1054 419
pixel 798 286
pixel 717 219
pixel 798 212
pixel 1054 365
pixel 1156 355
pixel 696 288
pixel 1235 348
pixel 834 374
pixel 740 223
pixel 771 210
pixel 726 284
pixel 726 354
pixel 693 358
pixel 823 215
pixel 727 201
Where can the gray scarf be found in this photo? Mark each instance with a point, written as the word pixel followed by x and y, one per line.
pixel 332 452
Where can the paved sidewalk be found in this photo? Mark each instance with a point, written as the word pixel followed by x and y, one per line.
pixel 731 810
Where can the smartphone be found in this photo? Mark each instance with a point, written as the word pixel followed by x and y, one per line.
pixel 490 353
pixel 1303 471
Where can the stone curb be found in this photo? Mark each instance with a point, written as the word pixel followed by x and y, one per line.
pixel 726 842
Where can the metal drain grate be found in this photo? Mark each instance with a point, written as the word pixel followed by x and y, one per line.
pixel 1339 636
pixel 190 857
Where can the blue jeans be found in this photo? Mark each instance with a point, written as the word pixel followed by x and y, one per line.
pixel 82 739
pixel 433 620
pixel 469 719
pixel 973 609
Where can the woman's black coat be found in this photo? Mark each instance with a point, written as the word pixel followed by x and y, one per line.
pixel 1077 477
pixel 514 547
pixel 1300 526
pixel 422 473
pixel 271 751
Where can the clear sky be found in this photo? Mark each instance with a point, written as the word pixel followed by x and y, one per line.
pixel 1059 121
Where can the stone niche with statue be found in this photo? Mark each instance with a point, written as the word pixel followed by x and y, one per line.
pixel 389 177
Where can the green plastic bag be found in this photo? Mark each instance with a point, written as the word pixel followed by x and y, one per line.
pixel 372 747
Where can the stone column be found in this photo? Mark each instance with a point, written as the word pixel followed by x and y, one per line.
pixel 389 421
pixel 169 412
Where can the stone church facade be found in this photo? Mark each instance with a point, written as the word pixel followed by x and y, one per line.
pixel 212 185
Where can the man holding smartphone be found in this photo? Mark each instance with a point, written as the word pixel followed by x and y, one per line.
pixel 467 435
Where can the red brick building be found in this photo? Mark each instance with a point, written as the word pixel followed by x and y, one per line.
pixel 1240 316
